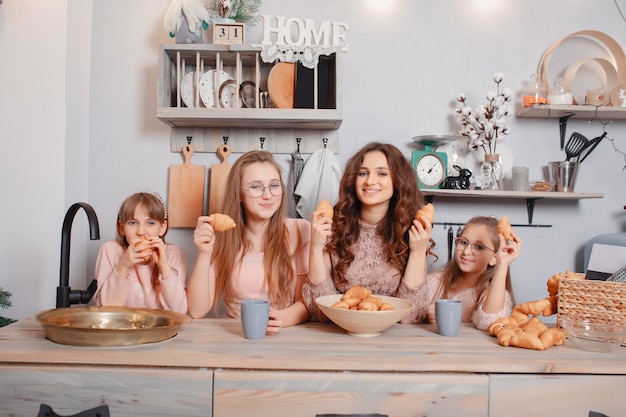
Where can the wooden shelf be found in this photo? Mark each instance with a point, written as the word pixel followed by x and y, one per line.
pixel 529 196
pixel 243 63
pixel 555 111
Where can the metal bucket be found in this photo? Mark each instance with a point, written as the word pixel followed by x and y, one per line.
pixel 563 173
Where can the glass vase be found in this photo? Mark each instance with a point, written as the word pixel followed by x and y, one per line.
pixel 491 173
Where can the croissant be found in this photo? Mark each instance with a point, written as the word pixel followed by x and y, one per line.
pixel 386 307
pixel 327 207
pixel 427 211
pixel 341 304
pixel 222 222
pixel 351 301
pixel 552 337
pixel 368 306
pixel 377 301
pixel 504 228
pixel 357 292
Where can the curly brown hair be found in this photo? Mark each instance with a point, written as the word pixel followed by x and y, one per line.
pixel 394 228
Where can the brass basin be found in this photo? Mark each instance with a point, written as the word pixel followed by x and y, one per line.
pixel 110 326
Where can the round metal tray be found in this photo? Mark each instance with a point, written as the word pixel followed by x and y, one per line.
pixel 110 326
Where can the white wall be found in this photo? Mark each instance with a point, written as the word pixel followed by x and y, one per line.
pixel 88 125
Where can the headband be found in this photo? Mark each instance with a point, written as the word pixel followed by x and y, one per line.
pixel 154 193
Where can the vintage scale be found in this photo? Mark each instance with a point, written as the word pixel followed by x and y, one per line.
pixel 431 166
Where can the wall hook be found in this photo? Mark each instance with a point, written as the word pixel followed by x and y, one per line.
pixel 225 139
pixel 298 140
pixel 325 141
pixel 262 141
pixel 189 140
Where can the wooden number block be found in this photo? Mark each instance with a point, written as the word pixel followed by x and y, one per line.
pixel 227 33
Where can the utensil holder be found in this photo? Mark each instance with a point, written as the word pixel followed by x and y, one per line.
pixel 563 173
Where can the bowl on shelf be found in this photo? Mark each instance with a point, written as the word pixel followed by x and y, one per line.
pixel 541 185
pixel 594 337
pixel 364 323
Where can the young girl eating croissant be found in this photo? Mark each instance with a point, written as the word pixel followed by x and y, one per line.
pixel 478 275
pixel 139 269
pixel 371 238
pixel 265 256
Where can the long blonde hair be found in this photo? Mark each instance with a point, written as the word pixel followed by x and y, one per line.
pixel 452 275
pixel 231 247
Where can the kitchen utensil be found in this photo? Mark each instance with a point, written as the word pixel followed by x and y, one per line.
pixel 563 127
pixel 186 191
pixel 219 174
pixel 110 326
pixel 588 149
pixel 575 145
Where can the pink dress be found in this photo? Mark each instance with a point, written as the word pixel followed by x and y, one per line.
pixel 248 278
pixel 137 290
pixel 472 306
pixel 369 269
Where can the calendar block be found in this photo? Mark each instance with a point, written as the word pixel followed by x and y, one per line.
pixel 227 33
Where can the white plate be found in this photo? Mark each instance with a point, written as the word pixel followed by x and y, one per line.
pixel 228 94
pixel 187 90
pixel 208 83
pixel 459 154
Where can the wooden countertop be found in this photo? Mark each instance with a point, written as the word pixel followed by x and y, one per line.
pixel 219 343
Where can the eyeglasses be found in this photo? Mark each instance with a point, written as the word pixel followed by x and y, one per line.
pixel 476 248
pixel 256 189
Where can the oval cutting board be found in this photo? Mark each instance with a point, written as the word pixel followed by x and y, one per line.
pixel 217 185
pixel 186 192
pixel 281 84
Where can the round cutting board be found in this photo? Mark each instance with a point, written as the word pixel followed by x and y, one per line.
pixel 281 84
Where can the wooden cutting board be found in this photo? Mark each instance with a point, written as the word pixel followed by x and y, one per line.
pixel 281 84
pixel 219 174
pixel 186 192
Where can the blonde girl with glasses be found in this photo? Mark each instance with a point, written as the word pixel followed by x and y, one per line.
pixel 265 257
pixel 478 275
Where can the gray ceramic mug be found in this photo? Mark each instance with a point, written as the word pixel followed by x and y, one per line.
pixel 254 317
pixel 448 315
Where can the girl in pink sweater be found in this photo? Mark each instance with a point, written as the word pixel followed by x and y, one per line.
pixel 139 269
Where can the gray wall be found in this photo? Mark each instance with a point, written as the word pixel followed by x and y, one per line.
pixel 78 105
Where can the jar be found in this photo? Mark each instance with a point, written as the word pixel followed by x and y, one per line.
pixel 558 94
pixel 491 172
pixel 534 92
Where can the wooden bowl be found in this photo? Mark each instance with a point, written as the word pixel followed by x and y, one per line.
pixel 364 323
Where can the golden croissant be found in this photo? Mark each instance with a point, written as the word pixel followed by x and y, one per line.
pixel 427 211
pixel 327 207
pixel 222 222
pixel 504 228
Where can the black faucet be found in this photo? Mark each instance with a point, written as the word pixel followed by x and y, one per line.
pixel 65 295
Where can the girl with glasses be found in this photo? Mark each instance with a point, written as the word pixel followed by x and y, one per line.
pixel 478 275
pixel 265 257
pixel 373 240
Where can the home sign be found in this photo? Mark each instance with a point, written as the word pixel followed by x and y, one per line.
pixel 294 31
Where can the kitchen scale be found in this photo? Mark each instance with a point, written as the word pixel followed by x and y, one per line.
pixel 431 166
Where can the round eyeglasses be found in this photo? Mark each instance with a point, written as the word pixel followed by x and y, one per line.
pixel 256 189
pixel 476 248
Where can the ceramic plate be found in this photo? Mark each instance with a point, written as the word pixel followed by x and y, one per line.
pixel 208 83
pixel 187 90
pixel 228 94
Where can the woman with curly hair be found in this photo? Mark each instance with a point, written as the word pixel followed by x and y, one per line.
pixel 373 239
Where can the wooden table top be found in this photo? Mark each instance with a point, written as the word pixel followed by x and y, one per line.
pixel 219 343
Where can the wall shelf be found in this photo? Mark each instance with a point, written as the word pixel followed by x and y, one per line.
pixel 555 111
pixel 529 196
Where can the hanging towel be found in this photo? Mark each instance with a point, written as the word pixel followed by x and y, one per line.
pixel 319 181
pixel 297 164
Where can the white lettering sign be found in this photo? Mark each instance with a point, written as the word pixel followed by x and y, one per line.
pixel 294 31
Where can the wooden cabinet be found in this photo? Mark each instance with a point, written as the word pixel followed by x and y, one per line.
pixel 308 394
pixel 249 75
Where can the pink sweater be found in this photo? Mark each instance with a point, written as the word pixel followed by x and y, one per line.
pixel 368 269
pixel 472 307
pixel 136 290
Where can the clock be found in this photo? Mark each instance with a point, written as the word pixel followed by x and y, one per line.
pixel 430 166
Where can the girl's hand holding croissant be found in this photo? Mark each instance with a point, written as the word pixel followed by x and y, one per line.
pixel 204 234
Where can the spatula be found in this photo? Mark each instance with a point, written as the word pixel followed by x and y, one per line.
pixel 575 144
pixel 592 145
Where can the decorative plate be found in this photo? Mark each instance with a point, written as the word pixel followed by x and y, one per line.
pixel 187 88
pixel 247 94
pixel 228 94
pixel 208 83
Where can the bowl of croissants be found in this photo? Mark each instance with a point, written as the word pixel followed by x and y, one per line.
pixel 362 313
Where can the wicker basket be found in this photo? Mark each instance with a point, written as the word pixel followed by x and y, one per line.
pixel 599 301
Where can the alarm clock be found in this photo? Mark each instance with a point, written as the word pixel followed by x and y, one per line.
pixel 430 166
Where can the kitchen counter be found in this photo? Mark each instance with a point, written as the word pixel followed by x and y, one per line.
pixel 219 371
